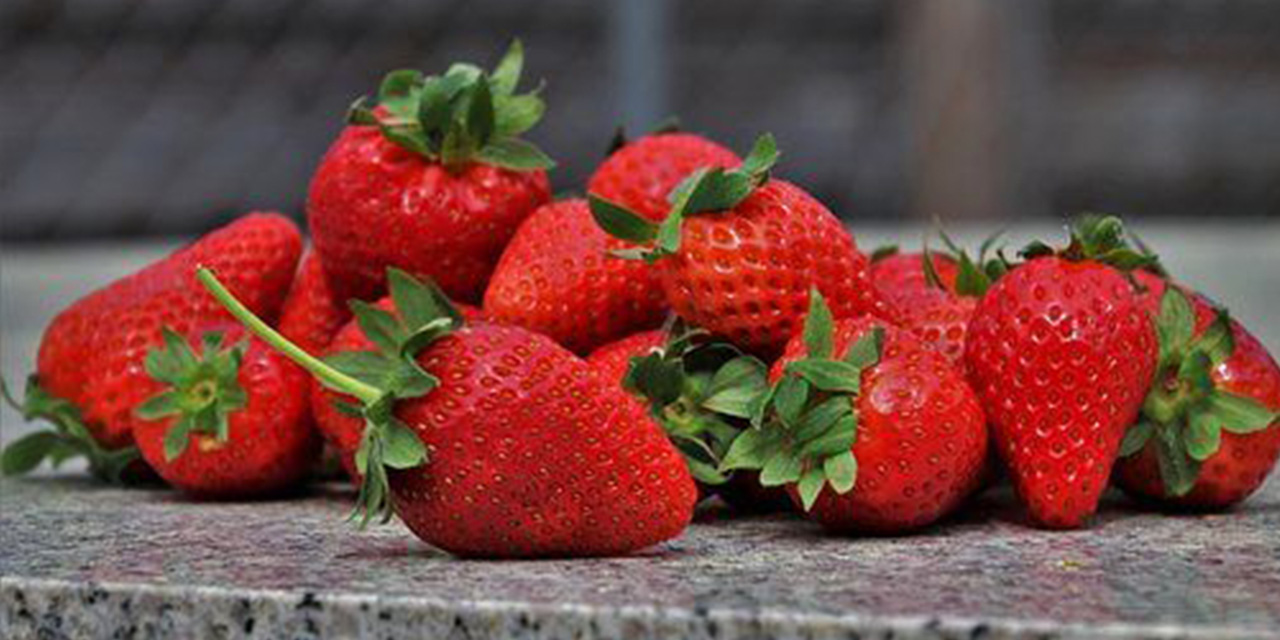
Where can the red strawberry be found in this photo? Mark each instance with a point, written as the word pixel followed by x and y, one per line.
pixel 739 253
pixel 865 407
pixel 90 374
pixel 433 180
pixel 312 313
pixel 1061 353
pixel 699 392
pixel 935 298
pixel 338 429
pixel 640 174
pixel 556 278
pixel 226 421
pixel 1210 427
pixel 493 441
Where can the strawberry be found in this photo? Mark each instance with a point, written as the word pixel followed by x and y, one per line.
pixel 739 253
pixel 90 375
pixel 312 313
pixel 699 392
pixel 432 180
pixel 493 441
pixel 557 278
pixel 1061 353
pixel 342 433
pixel 865 408
pixel 933 294
pixel 1210 427
pixel 226 422
pixel 640 174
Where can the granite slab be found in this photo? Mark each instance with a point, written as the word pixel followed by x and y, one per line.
pixel 81 560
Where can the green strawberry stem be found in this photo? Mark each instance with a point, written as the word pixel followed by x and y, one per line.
pixel 335 379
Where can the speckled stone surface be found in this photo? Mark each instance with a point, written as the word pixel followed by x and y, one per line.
pixel 79 560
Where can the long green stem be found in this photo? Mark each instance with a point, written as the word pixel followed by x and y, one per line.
pixel 332 377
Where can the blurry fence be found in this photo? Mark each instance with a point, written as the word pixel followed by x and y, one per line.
pixel 122 117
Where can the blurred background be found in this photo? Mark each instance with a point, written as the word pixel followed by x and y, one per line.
pixel 123 118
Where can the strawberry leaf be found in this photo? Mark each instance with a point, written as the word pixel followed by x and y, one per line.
pixel 1177 470
pixel 810 486
pixel 818 326
pixel 828 375
pixel 734 387
pixel 841 471
pixel 783 467
pixel 789 399
pixel 1216 341
pixel 1137 437
pixel 620 222
pixel 1175 324
pixel 26 453
pixel 1204 435
pixel 1238 414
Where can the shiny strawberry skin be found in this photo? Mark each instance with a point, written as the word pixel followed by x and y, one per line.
pixel 922 437
pixel 312 313
pixel 937 316
pixel 92 353
pixel 556 278
pixel 373 205
pixel 271 445
pixel 1061 354
pixel 1243 461
pixel 533 454
pixel 642 174
pixel 745 274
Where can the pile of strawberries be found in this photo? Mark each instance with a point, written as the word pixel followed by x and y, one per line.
pixel 518 376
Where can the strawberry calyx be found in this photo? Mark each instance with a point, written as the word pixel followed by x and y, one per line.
pixel 463 116
pixel 203 390
pixel 1098 238
pixel 973 276
pixel 378 379
pixel 1184 411
pixel 700 391
pixel 804 427
pixel 707 190
pixel 69 438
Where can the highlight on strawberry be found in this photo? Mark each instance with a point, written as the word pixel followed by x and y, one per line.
pixel 490 440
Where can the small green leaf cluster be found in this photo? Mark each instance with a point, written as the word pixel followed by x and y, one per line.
pixel 462 116
pixel 701 392
pixel 973 277
pixel 804 427
pixel 1100 238
pixel 68 439
pixel 423 315
pixel 706 190
pixel 202 390
pixel 1184 411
